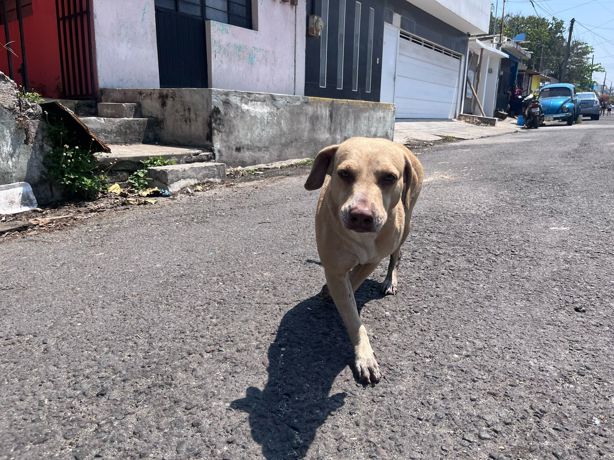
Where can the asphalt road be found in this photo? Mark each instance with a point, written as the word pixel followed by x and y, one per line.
pixel 192 329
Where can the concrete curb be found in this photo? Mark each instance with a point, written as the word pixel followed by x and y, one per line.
pixel 240 171
pixel 176 177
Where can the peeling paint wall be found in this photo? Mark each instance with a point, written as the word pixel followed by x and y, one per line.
pixel 23 144
pixel 246 128
pixel 270 59
pixel 126 45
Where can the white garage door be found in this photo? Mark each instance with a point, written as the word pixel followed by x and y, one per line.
pixel 426 83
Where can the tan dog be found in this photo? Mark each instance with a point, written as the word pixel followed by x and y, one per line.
pixel 369 189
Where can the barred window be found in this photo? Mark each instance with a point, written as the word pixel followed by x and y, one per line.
pixel 234 12
pixel 11 9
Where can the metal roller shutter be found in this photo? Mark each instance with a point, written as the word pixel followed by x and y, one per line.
pixel 427 78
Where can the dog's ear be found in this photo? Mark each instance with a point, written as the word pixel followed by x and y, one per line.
pixel 320 167
pixel 406 182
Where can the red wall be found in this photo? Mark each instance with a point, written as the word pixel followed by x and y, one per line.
pixel 42 49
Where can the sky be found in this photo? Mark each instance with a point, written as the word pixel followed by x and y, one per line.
pixel 594 24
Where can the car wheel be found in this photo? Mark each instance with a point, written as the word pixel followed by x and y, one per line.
pixel 594 117
pixel 570 121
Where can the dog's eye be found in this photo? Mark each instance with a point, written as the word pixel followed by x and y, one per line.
pixel 345 175
pixel 388 179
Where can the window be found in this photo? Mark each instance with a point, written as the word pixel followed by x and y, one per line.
pixel 370 50
pixel 11 9
pixel 324 44
pixel 587 96
pixel 555 92
pixel 356 55
pixel 234 12
pixel 341 44
pixel 191 7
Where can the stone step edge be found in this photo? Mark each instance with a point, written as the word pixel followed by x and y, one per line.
pixel 118 110
pixel 191 156
pixel 177 177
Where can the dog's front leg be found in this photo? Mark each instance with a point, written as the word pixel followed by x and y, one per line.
pixel 341 291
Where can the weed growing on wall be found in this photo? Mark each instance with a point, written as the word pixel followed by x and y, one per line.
pixel 32 96
pixel 73 166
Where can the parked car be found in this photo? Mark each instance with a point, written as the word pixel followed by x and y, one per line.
pixel 589 105
pixel 559 102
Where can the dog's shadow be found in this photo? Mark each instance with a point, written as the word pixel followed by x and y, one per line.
pixel 311 348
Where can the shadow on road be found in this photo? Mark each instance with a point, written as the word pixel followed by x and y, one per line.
pixel 311 348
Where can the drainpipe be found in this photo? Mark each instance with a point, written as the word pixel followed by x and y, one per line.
pixel 295 39
pixel 463 85
pixel 24 60
pixel 485 84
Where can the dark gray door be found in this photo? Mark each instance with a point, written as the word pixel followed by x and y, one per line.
pixel 180 30
pixel 180 26
pixel 345 61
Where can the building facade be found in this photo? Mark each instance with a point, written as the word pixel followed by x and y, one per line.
pixel 481 85
pixel 72 48
pixel 410 53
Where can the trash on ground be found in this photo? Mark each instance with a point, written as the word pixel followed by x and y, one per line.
pixel 17 197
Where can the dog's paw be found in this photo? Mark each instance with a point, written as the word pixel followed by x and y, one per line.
pixel 367 369
pixel 389 288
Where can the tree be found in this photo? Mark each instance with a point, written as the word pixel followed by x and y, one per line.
pixel 547 43
pixel 579 69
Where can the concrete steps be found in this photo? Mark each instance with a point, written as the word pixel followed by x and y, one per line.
pixel 124 159
pixel 118 110
pixel 120 126
pixel 117 130
pixel 81 108
pixel 176 177
pixel 118 123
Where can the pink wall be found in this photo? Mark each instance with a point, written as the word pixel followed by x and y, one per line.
pixel 42 48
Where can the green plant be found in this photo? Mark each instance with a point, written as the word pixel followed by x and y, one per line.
pixel 72 166
pixel 158 161
pixel 32 96
pixel 138 180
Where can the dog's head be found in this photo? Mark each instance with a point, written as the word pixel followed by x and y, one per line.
pixel 368 177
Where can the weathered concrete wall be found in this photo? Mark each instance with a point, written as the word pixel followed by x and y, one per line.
pixel 251 128
pixel 469 16
pixel 22 146
pixel 270 58
pixel 126 44
pixel 181 114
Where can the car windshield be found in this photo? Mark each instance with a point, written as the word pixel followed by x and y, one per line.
pixel 587 96
pixel 555 92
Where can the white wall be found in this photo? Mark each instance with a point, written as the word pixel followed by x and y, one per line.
pixel 490 90
pixel 487 87
pixel 390 54
pixel 270 59
pixel 470 16
pixel 126 46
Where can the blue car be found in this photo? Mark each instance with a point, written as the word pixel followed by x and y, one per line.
pixel 559 102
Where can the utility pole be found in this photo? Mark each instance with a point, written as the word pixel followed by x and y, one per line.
pixel 592 66
pixel 603 87
pixel 541 59
pixel 501 29
pixel 563 72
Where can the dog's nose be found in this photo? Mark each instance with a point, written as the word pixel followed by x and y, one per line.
pixel 360 218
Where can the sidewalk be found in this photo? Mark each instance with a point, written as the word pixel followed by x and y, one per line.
pixel 420 132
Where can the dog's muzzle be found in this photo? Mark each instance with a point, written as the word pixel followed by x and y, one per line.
pixel 360 218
